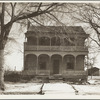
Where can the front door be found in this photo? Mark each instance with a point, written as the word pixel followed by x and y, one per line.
pixel 56 66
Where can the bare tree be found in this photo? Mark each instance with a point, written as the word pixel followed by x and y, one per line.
pixel 88 13
pixel 17 12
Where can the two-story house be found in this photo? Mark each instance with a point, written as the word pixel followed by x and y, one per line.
pixel 51 50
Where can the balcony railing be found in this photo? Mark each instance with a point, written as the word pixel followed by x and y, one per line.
pixel 55 48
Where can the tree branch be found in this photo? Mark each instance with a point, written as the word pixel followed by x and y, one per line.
pixel 12 14
pixel 34 14
pixel 21 11
pixel 39 7
pixel 94 26
pixel 2 20
pixel 37 22
pixel 95 41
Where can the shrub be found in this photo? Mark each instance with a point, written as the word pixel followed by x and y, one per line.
pixel 12 76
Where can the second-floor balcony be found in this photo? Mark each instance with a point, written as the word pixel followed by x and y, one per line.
pixel 54 48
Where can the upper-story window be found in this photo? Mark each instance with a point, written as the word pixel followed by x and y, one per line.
pixel 69 42
pixel 55 41
pixel 32 40
pixel 45 41
pixel 72 41
pixel 80 41
pixel 66 42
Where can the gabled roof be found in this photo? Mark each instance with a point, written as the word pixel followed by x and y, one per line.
pixel 58 29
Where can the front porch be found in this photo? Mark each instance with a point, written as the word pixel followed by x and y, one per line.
pixel 44 64
pixel 65 74
pixel 46 77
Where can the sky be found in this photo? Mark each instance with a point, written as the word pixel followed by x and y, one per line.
pixel 14 58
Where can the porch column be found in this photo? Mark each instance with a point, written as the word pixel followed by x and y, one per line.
pixel 50 45
pixel 61 43
pixel 24 61
pixel 37 66
pixel 62 67
pixel 50 64
pixel 75 64
pixel 37 43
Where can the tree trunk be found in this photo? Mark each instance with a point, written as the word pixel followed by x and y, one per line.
pixel 5 30
pixel 2 86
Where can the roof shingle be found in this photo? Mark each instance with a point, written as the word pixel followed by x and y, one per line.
pixel 58 29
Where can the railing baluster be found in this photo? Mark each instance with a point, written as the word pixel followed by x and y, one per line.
pixel 55 48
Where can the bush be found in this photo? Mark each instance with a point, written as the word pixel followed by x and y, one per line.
pixel 12 76
pixel 27 77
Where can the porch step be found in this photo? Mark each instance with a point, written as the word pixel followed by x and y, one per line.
pixel 42 76
pixel 56 77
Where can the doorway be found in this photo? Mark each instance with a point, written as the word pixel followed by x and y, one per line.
pixel 56 66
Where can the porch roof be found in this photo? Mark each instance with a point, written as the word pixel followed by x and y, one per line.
pixel 56 30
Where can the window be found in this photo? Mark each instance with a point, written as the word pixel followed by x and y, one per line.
pixel 42 65
pixel 70 65
pixel 32 40
pixel 70 61
pixel 55 41
pixel 44 41
pixel 80 41
pixel 72 41
pixel 29 61
pixel 67 43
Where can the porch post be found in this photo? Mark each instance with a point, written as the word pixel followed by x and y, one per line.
pixel 24 61
pixel 62 69
pixel 50 45
pixel 49 65
pixel 75 64
pixel 37 43
pixel 37 66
